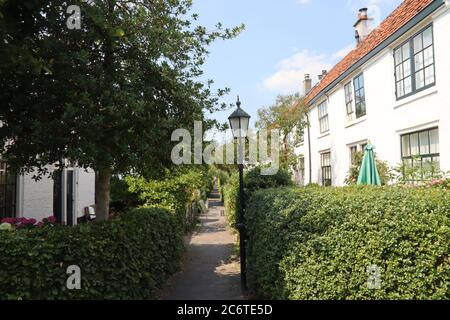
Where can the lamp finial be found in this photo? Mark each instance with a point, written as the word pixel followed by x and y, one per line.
pixel 238 102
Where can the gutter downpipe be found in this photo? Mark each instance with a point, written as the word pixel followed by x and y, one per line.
pixel 309 148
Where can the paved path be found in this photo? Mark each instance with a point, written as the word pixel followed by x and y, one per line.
pixel 208 272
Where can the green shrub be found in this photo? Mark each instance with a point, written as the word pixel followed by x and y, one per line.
pixel 231 199
pixel 222 179
pixel 126 258
pixel 317 243
pixel 173 192
pixel 253 180
pixel 122 199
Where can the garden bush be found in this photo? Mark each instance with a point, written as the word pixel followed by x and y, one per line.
pixel 253 180
pixel 174 191
pixel 124 258
pixel 318 243
pixel 122 199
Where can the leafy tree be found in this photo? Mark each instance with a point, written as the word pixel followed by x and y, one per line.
pixel 106 96
pixel 286 115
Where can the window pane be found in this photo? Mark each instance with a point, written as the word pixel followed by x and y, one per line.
pixel 429 75
pixel 414 139
pixel 427 38
pixel 408 86
pixel 356 84
pixel 325 159
pixel 360 109
pixel 361 81
pixel 427 163
pixel 349 108
pixel 428 56
pixel 418 43
pixel 400 91
pixel 434 141
pixel 420 81
pixel 424 143
pixel 399 72
pixel 408 163
pixel 398 56
pixel 406 152
pixel 405 51
pixel 417 163
pixel 418 59
pixel 436 164
pixel 406 68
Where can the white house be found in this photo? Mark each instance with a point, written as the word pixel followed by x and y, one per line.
pixel 66 196
pixel 393 90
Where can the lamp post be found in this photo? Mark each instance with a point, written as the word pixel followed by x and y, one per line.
pixel 239 122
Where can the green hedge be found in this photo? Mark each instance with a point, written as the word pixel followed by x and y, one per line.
pixel 126 258
pixel 174 191
pixel 316 243
pixel 253 180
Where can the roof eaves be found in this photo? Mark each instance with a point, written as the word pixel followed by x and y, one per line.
pixel 433 6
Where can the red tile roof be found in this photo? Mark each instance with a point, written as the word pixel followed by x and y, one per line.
pixel 398 18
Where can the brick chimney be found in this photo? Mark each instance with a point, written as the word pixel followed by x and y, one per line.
pixel 321 76
pixel 307 84
pixel 363 26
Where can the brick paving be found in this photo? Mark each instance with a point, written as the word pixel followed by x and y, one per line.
pixel 208 272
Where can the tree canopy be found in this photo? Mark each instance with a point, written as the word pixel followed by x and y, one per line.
pixel 288 116
pixel 106 96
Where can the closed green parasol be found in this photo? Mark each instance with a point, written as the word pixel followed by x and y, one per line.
pixel 368 173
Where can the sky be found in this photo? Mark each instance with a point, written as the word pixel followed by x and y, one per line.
pixel 283 40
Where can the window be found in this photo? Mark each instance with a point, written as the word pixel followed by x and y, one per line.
pixel 325 162
pixel 360 96
pixel 7 191
pixel 353 151
pixel 349 98
pixel 363 147
pixel 414 64
pixel 323 117
pixel 421 150
pixel 301 171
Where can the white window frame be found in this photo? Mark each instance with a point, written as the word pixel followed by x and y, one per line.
pixel 322 111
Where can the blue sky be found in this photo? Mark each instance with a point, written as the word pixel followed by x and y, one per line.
pixel 283 40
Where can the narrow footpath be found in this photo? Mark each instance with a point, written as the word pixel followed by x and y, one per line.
pixel 208 272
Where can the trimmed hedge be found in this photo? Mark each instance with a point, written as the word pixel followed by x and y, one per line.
pixel 253 180
pixel 125 258
pixel 317 243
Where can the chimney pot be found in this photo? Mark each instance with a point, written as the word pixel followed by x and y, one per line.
pixel 362 13
pixel 363 26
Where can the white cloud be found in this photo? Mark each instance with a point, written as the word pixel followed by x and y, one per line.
pixel 343 52
pixel 290 74
pixel 303 2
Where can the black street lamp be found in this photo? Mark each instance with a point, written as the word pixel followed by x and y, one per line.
pixel 239 122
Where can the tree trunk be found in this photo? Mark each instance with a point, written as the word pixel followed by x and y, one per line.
pixel 102 191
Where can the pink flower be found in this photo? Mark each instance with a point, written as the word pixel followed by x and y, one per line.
pixel 8 220
pixel 51 219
